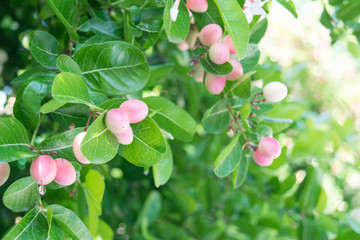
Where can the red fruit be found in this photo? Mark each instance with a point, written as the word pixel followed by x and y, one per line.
pixel 219 53
pixel 4 172
pixel 135 109
pixel 125 138
pixel 261 160
pixel 210 34
pixel 43 169
pixel 117 120
pixel 198 6
pixel 269 147
pixel 214 84
pixel 237 71
pixel 76 148
pixel 65 174
pixel 230 44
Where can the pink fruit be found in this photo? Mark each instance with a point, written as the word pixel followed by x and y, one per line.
pixel 230 44
pixel 76 148
pixel 135 109
pixel 269 147
pixel 214 84
pixel 125 138
pixel 219 53
pixel 198 6
pixel 117 120
pixel 199 74
pixel 4 172
pixel 183 46
pixel 65 174
pixel 43 169
pixel 261 160
pixel 237 71
pixel 210 34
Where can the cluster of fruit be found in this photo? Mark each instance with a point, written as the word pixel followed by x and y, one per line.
pixel 268 150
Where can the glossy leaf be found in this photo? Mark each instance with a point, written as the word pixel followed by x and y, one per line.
pixel 99 145
pixel 45 48
pixel 290 6
pixel 212 15
pixel 163 169
pixel 242 86
pixel 28 99
pixel 14 141
pixel 235 24
pixel 216 69
pixel 178 30
pixel 159 72
pixel 310 189
pixel 277 124
pixel 51 106
pixel 151 208
pixel 70 88
pixel 229 158
pixel 239 175
pixel 171 118
pixel 251 59
pixel 69 222
pixel 76 114
pixel 67 12
pixel 258 31
pixel 108 29
pixel 22 195
pixel 67 64
pixel 113 68
pixel 349 10
pixel 217 118
pixel 149 144
pixel 245 110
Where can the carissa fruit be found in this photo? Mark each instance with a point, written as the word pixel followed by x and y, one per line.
pixel 66 174
pixel 230 44
pixel 135 109
pixel 117 120
pixel 43 169
pixel 219 53
pixel 4 173
pixel 237 71
pixel 214 84
pixel 269 147
pixel 275 92
pixel 198 6
pixel 125 138
pixel 76 148
pixel 210 34
pixel 261 160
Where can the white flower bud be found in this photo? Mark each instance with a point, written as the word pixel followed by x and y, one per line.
pixel 275 92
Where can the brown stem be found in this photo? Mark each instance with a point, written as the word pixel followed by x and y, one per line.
pixel 88 121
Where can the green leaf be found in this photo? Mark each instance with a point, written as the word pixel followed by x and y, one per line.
pixel 239 175
pixel 71 88
pixel 99 144
pixel 163 169
pixel 258 31
pixel 251 59
pixel 216 69
pixel 178 30
pixel 108 29
pixel 68 221
pixel 245 110
pixel 310 189
pixel 94 188
pixel 212 15
pixel 34 225
pixel 151 208
pixel 217 118
pixel 16 82
pixel 171 118
pixel 104 231
pixel 242 86
pixel 159 72
pixel 22 195
pixel 113 68
pixel 76 114
pixel 277 124
pixel 235 24
pixel 14 141
pixel 28 99
pixel 349 10
pixel 149 144
pixel 229 158
pixel 67 12
pixel 290 6
pixel 51 106
pixel 45 48
pixel 67 64
pixel 112 103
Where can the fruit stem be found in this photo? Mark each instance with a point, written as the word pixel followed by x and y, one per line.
pixel 88 121
pixel 36 131
pixel 237 121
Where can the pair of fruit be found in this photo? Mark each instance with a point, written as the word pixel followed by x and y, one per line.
pixel 44 169
pixel 118 121
pixel 268 150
